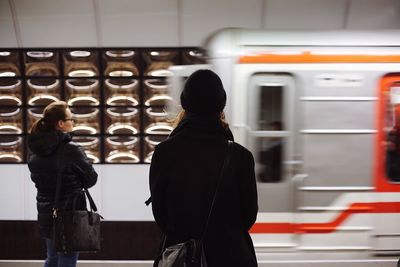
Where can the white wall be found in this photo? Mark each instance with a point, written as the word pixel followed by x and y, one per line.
pixel 67 23
pixel 119 194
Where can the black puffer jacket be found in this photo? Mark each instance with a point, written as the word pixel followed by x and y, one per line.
pixel 49 151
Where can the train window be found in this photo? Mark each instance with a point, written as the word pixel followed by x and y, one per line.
pixel 269 119
pixel 392 129
pixel 270 159
pixel 268 123
pixel 270 112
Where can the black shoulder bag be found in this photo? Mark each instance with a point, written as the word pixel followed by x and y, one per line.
pixel 191 252
pixel 75 230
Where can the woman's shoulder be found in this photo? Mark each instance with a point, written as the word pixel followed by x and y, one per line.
pixel 72 147
pixel 240 148
pixel 242 151
pixel 165 145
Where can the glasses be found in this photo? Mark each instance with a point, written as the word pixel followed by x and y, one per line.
pixel 69 119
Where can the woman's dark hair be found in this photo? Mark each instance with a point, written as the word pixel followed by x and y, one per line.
pixel 181 115
pixel 52 114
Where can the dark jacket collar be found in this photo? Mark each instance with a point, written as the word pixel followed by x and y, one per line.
pixel 46 143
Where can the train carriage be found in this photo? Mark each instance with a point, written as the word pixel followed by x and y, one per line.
pixel 320 112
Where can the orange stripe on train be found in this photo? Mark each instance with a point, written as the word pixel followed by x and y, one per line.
pixel 308 57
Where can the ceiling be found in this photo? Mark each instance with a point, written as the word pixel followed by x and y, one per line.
pixel 155 23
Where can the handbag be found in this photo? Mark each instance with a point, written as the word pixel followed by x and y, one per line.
pixel 191 253
pixel 75 230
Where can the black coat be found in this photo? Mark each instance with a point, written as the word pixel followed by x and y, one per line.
pixel 44 162
pixel 183 177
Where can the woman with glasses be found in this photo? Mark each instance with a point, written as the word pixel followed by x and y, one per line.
pixel 51 150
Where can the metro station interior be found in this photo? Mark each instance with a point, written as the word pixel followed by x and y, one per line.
pixel 328 70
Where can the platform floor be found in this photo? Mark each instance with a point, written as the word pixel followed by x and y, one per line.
pixel 315 263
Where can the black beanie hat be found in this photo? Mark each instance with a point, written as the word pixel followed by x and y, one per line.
pixel 203 93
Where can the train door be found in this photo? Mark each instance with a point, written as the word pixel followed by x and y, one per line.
pixel 387 173
pixel 270 136
pixel 337 137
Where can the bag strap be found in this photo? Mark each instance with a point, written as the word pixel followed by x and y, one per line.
pixel 222 174
pixel 86 191
pixel 61 165
pixel 91 201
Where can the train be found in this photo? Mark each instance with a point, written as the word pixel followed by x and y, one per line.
pixel 320 111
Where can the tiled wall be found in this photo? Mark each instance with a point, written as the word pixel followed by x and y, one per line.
pixel 118 97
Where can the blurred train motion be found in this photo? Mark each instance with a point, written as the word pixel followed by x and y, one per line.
pixel 321 113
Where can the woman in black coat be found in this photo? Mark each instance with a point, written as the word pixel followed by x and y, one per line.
pixel 50 146
pixel 184 173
